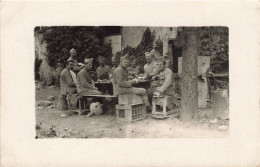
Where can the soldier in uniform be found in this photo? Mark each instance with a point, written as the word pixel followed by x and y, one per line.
pixel 114 63
pixel 103 70
pixel 151 67
pixel 163 82
pixel 86 85
pixel 77 67
pixel 68 86
pixel 133 69
pixel 122 85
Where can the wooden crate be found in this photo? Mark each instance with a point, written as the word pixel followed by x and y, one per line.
pixel 130 112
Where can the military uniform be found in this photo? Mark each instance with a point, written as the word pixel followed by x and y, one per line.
pixel 85 84
pixel 68 86
pixel 151 69
pixel 121 85
pixel 164 83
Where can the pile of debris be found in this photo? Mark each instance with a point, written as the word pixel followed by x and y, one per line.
pixel 46 103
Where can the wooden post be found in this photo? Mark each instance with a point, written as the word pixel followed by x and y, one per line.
pixel 189 88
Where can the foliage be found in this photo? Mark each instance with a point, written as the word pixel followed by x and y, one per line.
pixel 146 45
pixel 88 41
pixel 214 43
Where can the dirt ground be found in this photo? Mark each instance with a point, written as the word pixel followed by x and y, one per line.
pixel 50 124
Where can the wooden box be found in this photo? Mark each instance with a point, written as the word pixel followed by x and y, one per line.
pixel 130 112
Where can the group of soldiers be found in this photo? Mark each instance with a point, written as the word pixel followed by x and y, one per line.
pixel 76 77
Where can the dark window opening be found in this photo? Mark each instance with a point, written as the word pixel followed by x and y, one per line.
pixel 176 53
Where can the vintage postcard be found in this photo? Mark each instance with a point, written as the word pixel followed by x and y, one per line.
pixel 154 83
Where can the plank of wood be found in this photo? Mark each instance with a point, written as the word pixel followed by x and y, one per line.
pixel 100 96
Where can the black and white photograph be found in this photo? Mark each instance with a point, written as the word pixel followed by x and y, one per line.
pixel 131 82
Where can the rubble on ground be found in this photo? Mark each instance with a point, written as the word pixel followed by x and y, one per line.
pixel 45 103
pixel 51 98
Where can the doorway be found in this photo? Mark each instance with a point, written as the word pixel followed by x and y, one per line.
pixel 176 52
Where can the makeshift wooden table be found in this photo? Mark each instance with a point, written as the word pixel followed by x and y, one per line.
pixel 105 87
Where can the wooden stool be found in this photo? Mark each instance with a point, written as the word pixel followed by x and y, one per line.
pixel 62 102
pixel 72 100
pixel 129 99
pixel 162 101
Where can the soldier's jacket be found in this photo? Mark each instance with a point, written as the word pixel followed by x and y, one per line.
pixel 85 82
pixel 112 69
pixel 151 69
pixel 165 82
pixel 121 85
pixel 67 84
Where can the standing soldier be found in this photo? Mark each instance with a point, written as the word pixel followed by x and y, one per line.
pixel 114 63
pixel 77 67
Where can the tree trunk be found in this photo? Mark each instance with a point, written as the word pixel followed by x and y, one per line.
pixel 189 89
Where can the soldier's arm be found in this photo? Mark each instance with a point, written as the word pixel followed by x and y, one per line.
pixel 121 81
pixel 155 71
pixel 69 80
pixel 167 82
pixel 62 78
pixel 84 82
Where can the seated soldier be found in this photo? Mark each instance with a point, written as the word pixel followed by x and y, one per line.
pixel 162 83
pixel 68 86
pixel 121 84
pixel 103 70
pixel 85 83
pixel 151 67
pixel 133 70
